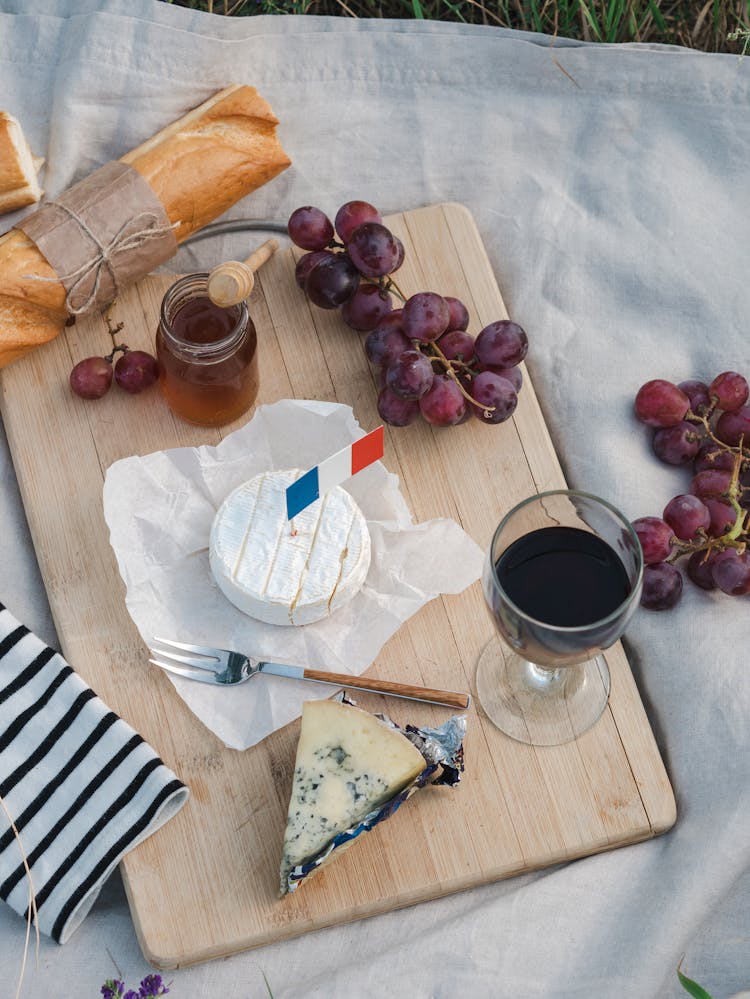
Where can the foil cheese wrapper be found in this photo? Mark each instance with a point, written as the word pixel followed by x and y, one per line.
pixel 443 751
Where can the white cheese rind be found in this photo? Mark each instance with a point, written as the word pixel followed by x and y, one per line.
pixel 288 572
pixel 348 763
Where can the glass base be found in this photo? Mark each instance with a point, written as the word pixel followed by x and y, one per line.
pixel 538 706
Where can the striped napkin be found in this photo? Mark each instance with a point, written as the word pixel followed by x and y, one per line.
pixel 80 785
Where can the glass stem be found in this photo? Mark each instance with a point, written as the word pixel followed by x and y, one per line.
pixel 544 678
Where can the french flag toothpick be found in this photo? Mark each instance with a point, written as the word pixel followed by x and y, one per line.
pixel 333 471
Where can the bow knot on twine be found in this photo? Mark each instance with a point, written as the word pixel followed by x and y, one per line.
pixel 102 234
pixel 122 242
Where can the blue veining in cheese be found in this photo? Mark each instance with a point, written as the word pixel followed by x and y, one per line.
pixel 348 763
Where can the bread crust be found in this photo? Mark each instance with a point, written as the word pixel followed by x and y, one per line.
pixel 198 167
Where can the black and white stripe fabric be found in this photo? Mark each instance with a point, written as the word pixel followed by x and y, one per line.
pixel 81 786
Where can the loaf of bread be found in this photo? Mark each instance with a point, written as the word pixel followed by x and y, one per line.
pixel 198 167
pixel 19 186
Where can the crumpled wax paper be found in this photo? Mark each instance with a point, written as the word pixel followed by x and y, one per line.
pixel 159 509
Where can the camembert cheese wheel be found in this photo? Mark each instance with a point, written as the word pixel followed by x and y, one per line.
pixel 348 763
pixel 288 572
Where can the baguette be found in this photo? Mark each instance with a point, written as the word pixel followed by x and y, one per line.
pixel 19 186
pixel 198 167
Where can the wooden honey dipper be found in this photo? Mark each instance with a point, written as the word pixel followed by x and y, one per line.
pixel 232 282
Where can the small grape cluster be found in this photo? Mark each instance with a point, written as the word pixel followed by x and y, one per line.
pixel 707 427
pixel 134 371
pixel 429 364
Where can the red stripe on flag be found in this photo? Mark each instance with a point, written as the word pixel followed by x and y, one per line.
pixel 367 449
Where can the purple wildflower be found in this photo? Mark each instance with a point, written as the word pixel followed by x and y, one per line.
pixel 152 986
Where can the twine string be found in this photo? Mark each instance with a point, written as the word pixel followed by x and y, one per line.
pixel 121 242
pixel 31 913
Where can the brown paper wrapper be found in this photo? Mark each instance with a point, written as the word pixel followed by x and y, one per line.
pixel 102 234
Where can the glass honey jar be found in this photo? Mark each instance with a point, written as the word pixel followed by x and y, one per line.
pixel 208 360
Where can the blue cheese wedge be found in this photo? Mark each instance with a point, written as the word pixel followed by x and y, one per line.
pixel 288 572
pixel 348 763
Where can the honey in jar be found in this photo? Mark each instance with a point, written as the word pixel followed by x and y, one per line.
pixel 208 363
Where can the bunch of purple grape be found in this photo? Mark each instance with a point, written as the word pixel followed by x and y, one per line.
pixel 429 364
pixel 706 427
pixel 134 371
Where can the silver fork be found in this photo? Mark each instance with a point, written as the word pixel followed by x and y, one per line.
pixel 224 667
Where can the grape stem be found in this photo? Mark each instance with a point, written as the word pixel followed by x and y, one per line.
pixel 112 330
pixel 704 420
pixel 737 535
pixel 387 287
pixel 733 496
pixel 449 370
pixel 391 287
pixel 119 348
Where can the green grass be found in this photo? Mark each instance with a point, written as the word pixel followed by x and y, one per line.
pixel 707 25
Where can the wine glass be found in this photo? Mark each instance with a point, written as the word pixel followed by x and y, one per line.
pixel 562 578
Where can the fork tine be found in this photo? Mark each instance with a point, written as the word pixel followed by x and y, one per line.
pixel 201 650
pixel 211 666
pixel 192 674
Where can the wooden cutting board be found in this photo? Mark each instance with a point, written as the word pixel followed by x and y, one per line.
pixel 204 886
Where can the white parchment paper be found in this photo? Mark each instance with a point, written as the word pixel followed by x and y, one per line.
pixel 159 510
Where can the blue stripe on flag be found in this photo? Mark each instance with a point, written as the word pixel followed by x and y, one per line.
pixel 302 493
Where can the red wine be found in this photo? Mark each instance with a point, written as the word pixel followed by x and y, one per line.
pixel 563 576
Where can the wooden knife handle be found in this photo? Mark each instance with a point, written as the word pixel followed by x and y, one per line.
pixel 446 698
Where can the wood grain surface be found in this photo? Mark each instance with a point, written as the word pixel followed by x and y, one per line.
pixel 205 885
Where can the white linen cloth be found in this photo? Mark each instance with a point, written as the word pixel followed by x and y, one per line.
pixel 609 184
